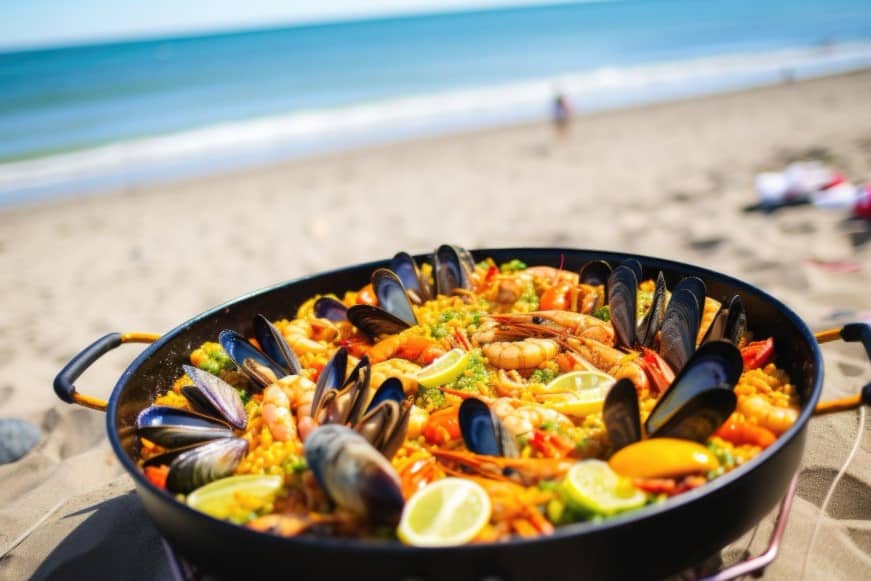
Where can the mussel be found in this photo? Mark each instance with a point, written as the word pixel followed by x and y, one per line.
pixel 452 267
pixel 483 432
pixel 698 401
pixel 202 445
pixel 394 313
pixel 265 367
pixel 730 322
pixel 595 273
pixel 354 474
pixel 330 309
pixel 381 417
pixel 416 285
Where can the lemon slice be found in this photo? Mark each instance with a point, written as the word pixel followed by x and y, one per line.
pixel 578 393
pixel 445 369
pixel 237 497
pixel 593 486
pixel 447 512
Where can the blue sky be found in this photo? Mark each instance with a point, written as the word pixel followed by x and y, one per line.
pixel 32 23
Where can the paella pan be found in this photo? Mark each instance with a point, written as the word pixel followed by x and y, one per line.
pixel 525 372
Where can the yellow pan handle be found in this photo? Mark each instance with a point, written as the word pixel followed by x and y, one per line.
pixel 851 332
pixel 63 383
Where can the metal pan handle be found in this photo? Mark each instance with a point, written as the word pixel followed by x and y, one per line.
pixel 852 332
pixel 63 383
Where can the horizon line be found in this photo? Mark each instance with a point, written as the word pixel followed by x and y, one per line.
pixel 303 22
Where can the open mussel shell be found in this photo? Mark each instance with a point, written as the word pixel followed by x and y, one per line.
pixel 172 427
pixel 331 379
pixel 621 414
pixel 416 285
pixel 385 422
pixel 354 474
pixel 736 322
pixel 452 267
pixel 680 325
pixel 213 396
pixel 375 322
pixel 356 393
pixel 695 285
pixel 622 301
pixel 716 365
pixel 203 464
pixel 652 321
pixel 275 345
pixel 483 432
pixel 595 272
pixel 700 416
pixel 331 309
pixel 392 296
pixel 255 364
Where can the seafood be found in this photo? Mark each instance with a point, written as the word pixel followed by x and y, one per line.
pixel 336 400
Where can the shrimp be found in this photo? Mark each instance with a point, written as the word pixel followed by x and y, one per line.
pixel 515 508
pixel 775 418
pixel 298 393
pixel 740 433
pixel 276 414
pixel 612 361
pixel 555 323
pixel 402 369
pixel 416 468
pixel 525 354
pixel 301 335
pixel 416 348
pixel 522 418
pixel 526 471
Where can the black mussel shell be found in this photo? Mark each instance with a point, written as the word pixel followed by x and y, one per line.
pixel 451 269
pixel 406 269
pixel 713 365
pixel 213 396
pixel 354 474
pixel 636 267
pixel 357 387
pixel 393 441
pixel 377 425
pixel 375 322
pixel 331 309
pixel 332 378
pixel 700 416
pixel 695 285
pixel 621 415
pixel 390 390
pixel 652 321
pixel 679 328
pixel 622 301
pixel 392 296
pixel 736 322
pixel 174 427
pixel 717 330
pixel 483 432
pixel 595 272
pixel 255 364
pixel 275 345
pixel 203 464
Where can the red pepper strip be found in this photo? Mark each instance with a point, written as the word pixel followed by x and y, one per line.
pixel 157 475
pixel 491 273
pixel 758 354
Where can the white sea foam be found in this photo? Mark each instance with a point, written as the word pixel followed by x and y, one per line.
pixel 237 144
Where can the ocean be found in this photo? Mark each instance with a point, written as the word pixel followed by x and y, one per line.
pixel 104 116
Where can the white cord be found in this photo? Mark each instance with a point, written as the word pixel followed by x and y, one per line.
pixel 831 491
pixel 30 529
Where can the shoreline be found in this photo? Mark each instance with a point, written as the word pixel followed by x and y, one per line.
pixel 256 142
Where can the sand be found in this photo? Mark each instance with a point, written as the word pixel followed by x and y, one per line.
pixel 666 180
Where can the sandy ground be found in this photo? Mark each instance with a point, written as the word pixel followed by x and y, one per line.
pixel 665 180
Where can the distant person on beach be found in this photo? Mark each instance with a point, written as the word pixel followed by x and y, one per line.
pixel 561 112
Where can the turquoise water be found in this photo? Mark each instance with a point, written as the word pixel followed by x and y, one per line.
pixel 75 115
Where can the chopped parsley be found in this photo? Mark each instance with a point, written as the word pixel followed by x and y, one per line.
pixel 211 357
pixel 542 376
pixel 475 375
pixel 512 266
pixel 429 398
pixel 295 464
pixel 603 313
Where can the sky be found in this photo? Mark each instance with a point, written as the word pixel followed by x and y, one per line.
pixel 38 23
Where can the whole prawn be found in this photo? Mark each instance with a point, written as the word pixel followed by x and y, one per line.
pixel 556 323
pixel 415 348
pixel 612 361
pixel 293 392
pixel 525 354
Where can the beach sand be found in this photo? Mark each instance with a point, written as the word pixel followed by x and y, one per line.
pixel 666 180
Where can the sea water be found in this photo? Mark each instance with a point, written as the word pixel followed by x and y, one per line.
pixel 111 115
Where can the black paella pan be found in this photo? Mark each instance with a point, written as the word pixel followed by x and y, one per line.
pixel 652 542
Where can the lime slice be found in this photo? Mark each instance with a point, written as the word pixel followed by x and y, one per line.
pixel 595 487
pixel 237 497
pixel 445 369
pixel 447 512
pixel 578 393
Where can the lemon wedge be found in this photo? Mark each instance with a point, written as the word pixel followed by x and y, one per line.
pixel 445 369
pixel 235 498
pixel 446 512
pixel 577 393
pixel 593 486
